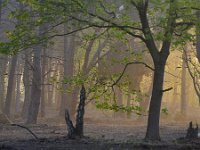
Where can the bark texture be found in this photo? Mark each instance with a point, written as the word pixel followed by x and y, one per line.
pixel 155 104
pixel 43 92
pixel 18 85
pixel 27 84
pixel 77 131
pixel 36 87
pixel 69 42
pixel 10 89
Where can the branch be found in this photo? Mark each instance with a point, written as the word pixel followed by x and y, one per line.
pixel 26 129
pixel 168 89
pixel 71 32
pixel 169 30
pixel 184 23
pixel 95 58
pixel 115 25
pixel 124 70
pixel 196 87
pixel 112 13
pixel 149 40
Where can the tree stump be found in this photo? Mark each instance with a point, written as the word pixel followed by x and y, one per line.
pixel 77 131
pixel 192 132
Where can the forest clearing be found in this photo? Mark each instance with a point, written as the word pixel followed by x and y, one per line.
pixel 98 136
pixel 99 74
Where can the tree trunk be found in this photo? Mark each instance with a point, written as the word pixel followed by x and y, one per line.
pixel 10 89
pixel 43 92
pixel 183 88
pixel 77 131
pixel 58 94
pixel 155 103
pixel 68 71
pixel 18 92
pixel 3 66
pixel 36 87
pixel 2 71
pixel 27 84
pixel 128 104
pixel 50 87
pixel 13 102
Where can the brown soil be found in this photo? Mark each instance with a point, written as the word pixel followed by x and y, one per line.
pixel 107 135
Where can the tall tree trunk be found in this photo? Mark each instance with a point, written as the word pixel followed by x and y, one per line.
pixel 50 87
pixel 58 94
pixel 10 89
pixel 36 86
pixel 183 87
pixel 18 92
pixel 128 104
pixel 155 103
pixel 27 84
pixel 3 66
pixel 68 71
pixel 1 75
pixel 43 92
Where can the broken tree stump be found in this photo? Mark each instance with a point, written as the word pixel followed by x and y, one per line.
pixel 70 126
pixel 192 132
pixel 77 131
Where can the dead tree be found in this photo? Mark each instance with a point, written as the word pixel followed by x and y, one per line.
pixel 77 131
pixel 192 133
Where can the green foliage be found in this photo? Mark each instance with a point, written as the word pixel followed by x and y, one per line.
pixel 164 111
pixel 116 108
pixel 55 12
pixel 121 26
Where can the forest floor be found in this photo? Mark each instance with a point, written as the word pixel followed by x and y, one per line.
pixel 104 135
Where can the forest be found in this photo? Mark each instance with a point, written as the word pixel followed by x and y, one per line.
pixel 99 74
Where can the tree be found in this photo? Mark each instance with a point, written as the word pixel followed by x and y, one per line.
pixel 69 43
pixel 10 88
pixel 36 87
pixel 27 82
pixel 157 32
pixel 3 64
pixel 148 36
pixel 159 56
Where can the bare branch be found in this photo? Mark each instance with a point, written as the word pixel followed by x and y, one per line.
pixel 126 66
pixel 34 135
pixel 71 32
pixel 168 89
